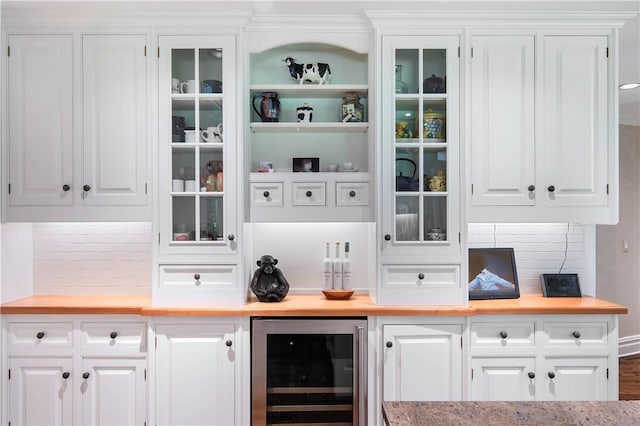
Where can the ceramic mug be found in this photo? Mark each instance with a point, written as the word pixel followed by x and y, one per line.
pixel 175 83
pixel 212 134
pixel 190 136
pixel 188 86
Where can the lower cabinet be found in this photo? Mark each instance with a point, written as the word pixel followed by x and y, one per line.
pixel 75 370
pixel 422 362
pixel 195 373
pixel 544 358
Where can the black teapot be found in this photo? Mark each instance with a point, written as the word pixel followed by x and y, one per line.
pixel 434 84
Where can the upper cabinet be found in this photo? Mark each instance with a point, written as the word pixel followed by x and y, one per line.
pixel 309 134
pixel 541 144
pixel 69 163
pixel 420 246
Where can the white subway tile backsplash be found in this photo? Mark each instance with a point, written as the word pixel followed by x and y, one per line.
pixel 92 258
pixel 539 248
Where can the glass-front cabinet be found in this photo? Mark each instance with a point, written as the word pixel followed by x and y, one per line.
pixel 420 145
pixel 197 176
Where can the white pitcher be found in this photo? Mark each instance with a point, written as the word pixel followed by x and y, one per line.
pixel 212 134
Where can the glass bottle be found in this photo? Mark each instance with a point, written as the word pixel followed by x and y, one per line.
pixel 352 109
pixel 401 86
pixel 346 268
pixel 337 269
pixel 327 269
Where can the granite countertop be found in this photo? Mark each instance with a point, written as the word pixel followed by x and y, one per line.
pixel 305 305
pixel 469 413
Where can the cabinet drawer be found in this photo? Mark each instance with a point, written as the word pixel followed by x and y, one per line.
pixel 198 276
pixel 33 335
pixel 113 335
pixel 576 335
pixel 309 193
pixel 265 194
pixel 416 276
pixel 511 335
pixel 352 193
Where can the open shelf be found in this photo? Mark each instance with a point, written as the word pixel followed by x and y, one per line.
pixel 259 127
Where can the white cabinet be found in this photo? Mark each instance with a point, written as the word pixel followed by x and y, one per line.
pixel 40 390
pixel 541 147
pixel 87 163
pixel 419 153
pixel 113 391
pixel 556 358
pixel 66 370
pixel 195 374
pixel 198 201
pixel 333 137
pixel 422 362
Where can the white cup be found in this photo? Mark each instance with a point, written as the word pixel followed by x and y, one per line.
pixel 347 166
pixel 212 134
pixel 190 186
pixel 333 167
pixel 188 86
pixel 190 136
pixel 177 185
pixel 174 85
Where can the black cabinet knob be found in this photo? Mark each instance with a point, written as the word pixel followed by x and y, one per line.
pixel 266 194
pixel 551 188
pixel 503 334
pixel 65 375
pixel 65 188
pixel 421 276
pixel 352 194
pixel 40 335
pixel 228 343
pixel 85 375
pixel 531 187
pixel 86 188
pixel 389 344
pixel 309 193
pixel 551 374
pixel 387 237
pixel 113 335
pixel 196 276
pixel 576 334
pixel 531 375
pixel 231 237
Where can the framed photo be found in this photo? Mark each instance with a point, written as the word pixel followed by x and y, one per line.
pixel 311 164
pixel 493 274
pixel 560 285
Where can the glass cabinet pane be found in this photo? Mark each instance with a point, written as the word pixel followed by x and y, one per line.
pixel 407 224
pixel 434 70
pixel 407 72
pixel 197 150
pixel 435 218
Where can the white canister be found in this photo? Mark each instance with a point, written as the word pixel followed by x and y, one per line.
pixel 177 185
pixel 190 136
pixel 304 113
pixel 190 185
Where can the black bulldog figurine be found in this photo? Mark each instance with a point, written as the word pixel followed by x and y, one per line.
pixel 268 282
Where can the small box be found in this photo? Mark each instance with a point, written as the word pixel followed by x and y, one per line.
pixel 560 285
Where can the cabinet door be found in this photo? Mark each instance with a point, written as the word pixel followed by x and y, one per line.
pixel 195 374
pixel 420 146
pixel 503 379
pixel 502 120
pixel 114 73
pixel 39 393
pixel 40 119
pixel 113 391
pixel 199 171
pixel 575 125
pixel 422 363
pixel 574 379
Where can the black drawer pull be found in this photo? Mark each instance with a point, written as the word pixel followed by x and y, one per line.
pixel 531 375
pixel 65 375
pixel 266 194
pixel 503 334
pixel 309 194
pixel 352 194
pixel 40 335
pixel 387 237
pixel 576 334
pixel 389 344
pixel 65 188
pixel 531 188
pixel 228 343
pixel 85 375
pixel 196 276
pixel 113 335
pixel 551 374
pixel 421 276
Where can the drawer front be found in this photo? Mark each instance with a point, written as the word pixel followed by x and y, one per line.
pixel 113 335
pixel 416 276
pixel 309 193
pixel 198 276
pixel 352 193
pixel 266 194
pixel 508 335
pixel 576 335
pixel 33 335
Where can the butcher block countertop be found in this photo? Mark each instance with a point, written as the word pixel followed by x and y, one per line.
pixel 622 413
pixel 305 305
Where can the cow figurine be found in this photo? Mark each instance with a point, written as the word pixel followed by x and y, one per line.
pixel 313 73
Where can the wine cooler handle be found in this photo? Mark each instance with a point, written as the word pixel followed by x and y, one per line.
pixel 362 377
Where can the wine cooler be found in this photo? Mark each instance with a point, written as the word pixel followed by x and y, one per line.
pixel 308 371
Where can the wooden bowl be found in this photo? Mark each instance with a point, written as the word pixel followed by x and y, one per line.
pixel 337 294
